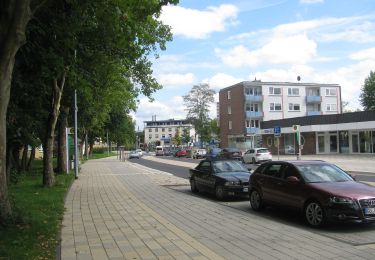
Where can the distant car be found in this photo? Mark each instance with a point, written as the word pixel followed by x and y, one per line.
pixel 199 153
pixel 140 152
pixel 213 153
pixel 181 153
pixel 220 177
pixel 159 151
pixel 322 191
pixel 231 153
pixel 257 155
pixel 134 154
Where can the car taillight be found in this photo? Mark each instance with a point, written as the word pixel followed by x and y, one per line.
pixel 270 153
pixel 258 154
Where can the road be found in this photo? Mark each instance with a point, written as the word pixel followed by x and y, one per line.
pixel 352 234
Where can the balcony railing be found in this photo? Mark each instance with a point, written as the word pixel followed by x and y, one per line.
pixel 252 98
pixel 313 99
pixel 314 113
pixel 251 114
pixel 252 130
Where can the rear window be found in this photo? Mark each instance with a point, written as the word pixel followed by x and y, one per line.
pixel 263 151
pixel 159 149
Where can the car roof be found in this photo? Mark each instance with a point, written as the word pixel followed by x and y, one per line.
pixel 301 162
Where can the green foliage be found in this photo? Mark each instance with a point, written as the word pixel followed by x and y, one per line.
pixel 367 97
pixel 185 135
pixel 197 103
pixel 37 214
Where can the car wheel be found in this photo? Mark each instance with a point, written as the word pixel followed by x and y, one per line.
pixel 193 186
pixel 256 202
pixel 314 214
pixel 253 161
pixel 219 192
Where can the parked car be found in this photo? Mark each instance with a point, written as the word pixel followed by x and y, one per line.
pixel 134 154
pixel 159 151
pixel 320 190
pixel 220 177
pixel 140 152
pixel 199 153
pixel 181 153
pixel 257 155
pixel 231 153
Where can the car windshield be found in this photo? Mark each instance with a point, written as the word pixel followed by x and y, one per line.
pixel 323 173
pixel 228 166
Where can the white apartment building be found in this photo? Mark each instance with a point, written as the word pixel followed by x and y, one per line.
pixel 161 132
pixel 245 105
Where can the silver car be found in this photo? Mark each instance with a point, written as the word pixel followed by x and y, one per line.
pixel 257 155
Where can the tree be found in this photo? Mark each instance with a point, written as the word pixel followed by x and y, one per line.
pixel 185 135
pixel 14 17
pixel 197 103
pixel 367 97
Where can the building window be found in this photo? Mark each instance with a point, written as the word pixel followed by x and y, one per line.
pixel 331 107
pixel 293 91
pixel 252 91
pixel 163 129
pixel 156 136
pixel 294 107
pixel 169 129
pixel 252 107
pixel 275 91
pixel 163 136
pixel 330 92
pixel 229 110
pixel 230 125
pixel 228 94
pixel 150 130
pixel 252 123
pixel 275 107
pixel 150 136
pixel 170 135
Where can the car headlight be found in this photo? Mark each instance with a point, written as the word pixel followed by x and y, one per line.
pixel 232 183
pixel 341 200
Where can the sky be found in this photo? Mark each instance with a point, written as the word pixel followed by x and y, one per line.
pixel 225 42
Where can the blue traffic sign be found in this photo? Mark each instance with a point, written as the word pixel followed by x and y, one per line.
pixel 277 131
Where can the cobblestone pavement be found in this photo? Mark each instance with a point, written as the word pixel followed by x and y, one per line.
pixel 120 210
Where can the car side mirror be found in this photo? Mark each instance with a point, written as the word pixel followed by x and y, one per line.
pixel 293 179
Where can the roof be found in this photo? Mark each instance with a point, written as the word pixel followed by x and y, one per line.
pixel 294 84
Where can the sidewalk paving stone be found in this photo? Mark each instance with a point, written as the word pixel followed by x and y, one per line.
pixel 119 210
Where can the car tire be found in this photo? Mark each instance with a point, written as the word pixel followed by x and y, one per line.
pixel 193 186
pixel 219 192
pixel 253 161
pixel 256 201
pixel 314 214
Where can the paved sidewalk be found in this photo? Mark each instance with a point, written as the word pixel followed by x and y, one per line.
pixel 120 210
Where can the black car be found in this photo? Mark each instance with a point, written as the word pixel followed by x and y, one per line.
pixel 231 153
pixel 221 177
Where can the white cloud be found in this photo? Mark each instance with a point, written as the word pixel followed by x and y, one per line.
pixel 297 49
pixel 221 80
pixel 311 1
pixel 173 79
pixel 198 24
pixel 173 108
pixel 363 54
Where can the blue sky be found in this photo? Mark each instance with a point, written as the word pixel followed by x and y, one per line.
pixel 224 42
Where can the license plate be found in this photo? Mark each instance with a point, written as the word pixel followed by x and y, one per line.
pixel 245 189
pixel 369 211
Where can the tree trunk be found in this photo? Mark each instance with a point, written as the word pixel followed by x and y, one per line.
pixel 48 174
pixel 91 148
pixel 24 157
pixel 62 165
pixel 32 157
pixel 14 17
pixel 9 158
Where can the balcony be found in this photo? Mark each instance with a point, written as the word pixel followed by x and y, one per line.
pixel 313 113
pixel 252 130
pixel 313 99
pixel 252 98
pixel 252 114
